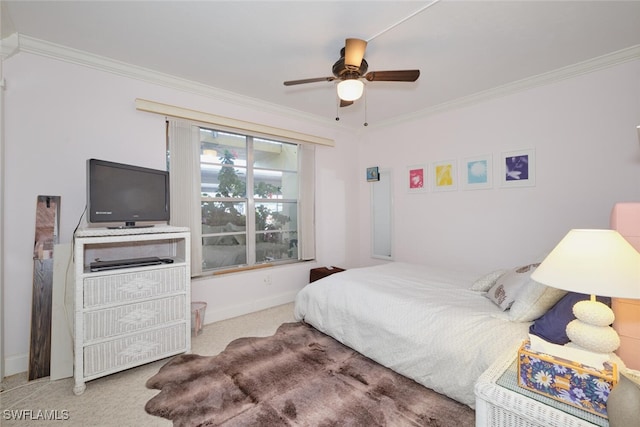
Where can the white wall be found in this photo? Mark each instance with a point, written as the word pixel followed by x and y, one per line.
pixel 59 114
pixel 587 150
pixel 583 130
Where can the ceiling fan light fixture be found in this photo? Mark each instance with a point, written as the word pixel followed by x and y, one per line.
pixel 350 89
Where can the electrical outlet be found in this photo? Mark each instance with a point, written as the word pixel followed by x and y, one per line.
pixel 267 280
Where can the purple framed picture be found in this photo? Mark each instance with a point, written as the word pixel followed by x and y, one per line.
pixel 518 168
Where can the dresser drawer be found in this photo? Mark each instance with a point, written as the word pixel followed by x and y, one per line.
pixel 133 317
pixel 128 287
pixel 122 353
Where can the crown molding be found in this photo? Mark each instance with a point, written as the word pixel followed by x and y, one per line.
pixel 9 46
pixel 55 51
pixel 64 53
pixel 609 60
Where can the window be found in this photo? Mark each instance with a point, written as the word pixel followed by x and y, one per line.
pixel 254 199
pixel 249 205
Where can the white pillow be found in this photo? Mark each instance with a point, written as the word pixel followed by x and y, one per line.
pixel 533 300
pixel 484 283
pixel 503 292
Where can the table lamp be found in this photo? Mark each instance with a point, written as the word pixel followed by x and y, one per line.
pixel 595 262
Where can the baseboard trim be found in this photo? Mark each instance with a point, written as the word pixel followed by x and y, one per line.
pixel 225 313
pixel 16 364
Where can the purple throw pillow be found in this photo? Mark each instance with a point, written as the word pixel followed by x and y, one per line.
pixel 552 325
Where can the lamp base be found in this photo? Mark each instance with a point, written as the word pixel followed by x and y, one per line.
pixel 591 329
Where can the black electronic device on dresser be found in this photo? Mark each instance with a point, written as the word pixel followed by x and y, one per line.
pixel 121 193
pixel 128 263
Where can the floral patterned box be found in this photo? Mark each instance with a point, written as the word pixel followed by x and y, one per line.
pixel 570 382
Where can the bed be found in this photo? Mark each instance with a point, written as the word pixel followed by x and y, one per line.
pixel 435 326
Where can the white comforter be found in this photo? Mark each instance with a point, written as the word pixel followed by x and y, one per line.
pixel 422 322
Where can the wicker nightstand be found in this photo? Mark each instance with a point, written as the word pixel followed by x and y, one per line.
pixel 500 402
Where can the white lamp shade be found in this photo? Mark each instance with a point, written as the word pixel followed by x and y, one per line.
pixel 350 89
pixel 595 262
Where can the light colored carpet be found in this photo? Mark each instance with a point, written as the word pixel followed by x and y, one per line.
pixel 119 399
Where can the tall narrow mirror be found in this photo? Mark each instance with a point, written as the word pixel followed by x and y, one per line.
pixel 381 216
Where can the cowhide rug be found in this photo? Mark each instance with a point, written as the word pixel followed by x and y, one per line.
pixel 297 377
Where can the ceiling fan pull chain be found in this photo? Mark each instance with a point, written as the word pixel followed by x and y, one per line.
pixel 338 109
pixel 365 109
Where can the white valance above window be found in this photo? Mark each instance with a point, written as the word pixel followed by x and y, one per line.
pixel 240 125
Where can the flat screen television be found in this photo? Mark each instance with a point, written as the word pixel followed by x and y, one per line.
pixel 121 193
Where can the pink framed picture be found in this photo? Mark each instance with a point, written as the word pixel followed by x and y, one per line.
pixel 417 178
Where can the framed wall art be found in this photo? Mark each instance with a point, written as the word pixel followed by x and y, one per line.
pixel 417 178
pixel 373 174
pixel 518 168
pixel 477 172
pixel 444 176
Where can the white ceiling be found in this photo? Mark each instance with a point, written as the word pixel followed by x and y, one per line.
pixel 249 48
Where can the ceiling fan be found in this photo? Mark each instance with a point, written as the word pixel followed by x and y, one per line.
pixel 351 68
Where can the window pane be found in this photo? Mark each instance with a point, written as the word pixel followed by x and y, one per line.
pixel 223 181
pixel 214 144
pixel 276 216
pixel 275 155
pixel 217 215
pixel 223 161
pixel 276 246
pixel 224 239
pixel 275 170
pixel 270 184
pixel 223 251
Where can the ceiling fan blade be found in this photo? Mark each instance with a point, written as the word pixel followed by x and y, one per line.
pixel 314 80
pixel 344 103
pixel 354 52
pixel 393 76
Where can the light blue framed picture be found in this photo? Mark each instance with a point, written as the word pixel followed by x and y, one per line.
pixel 477 172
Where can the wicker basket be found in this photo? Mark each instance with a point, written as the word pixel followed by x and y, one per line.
pixel 198 311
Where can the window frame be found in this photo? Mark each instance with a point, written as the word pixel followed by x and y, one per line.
pixel 250 199
pixel 251 202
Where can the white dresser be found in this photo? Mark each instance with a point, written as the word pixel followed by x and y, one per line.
pixel 129 316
